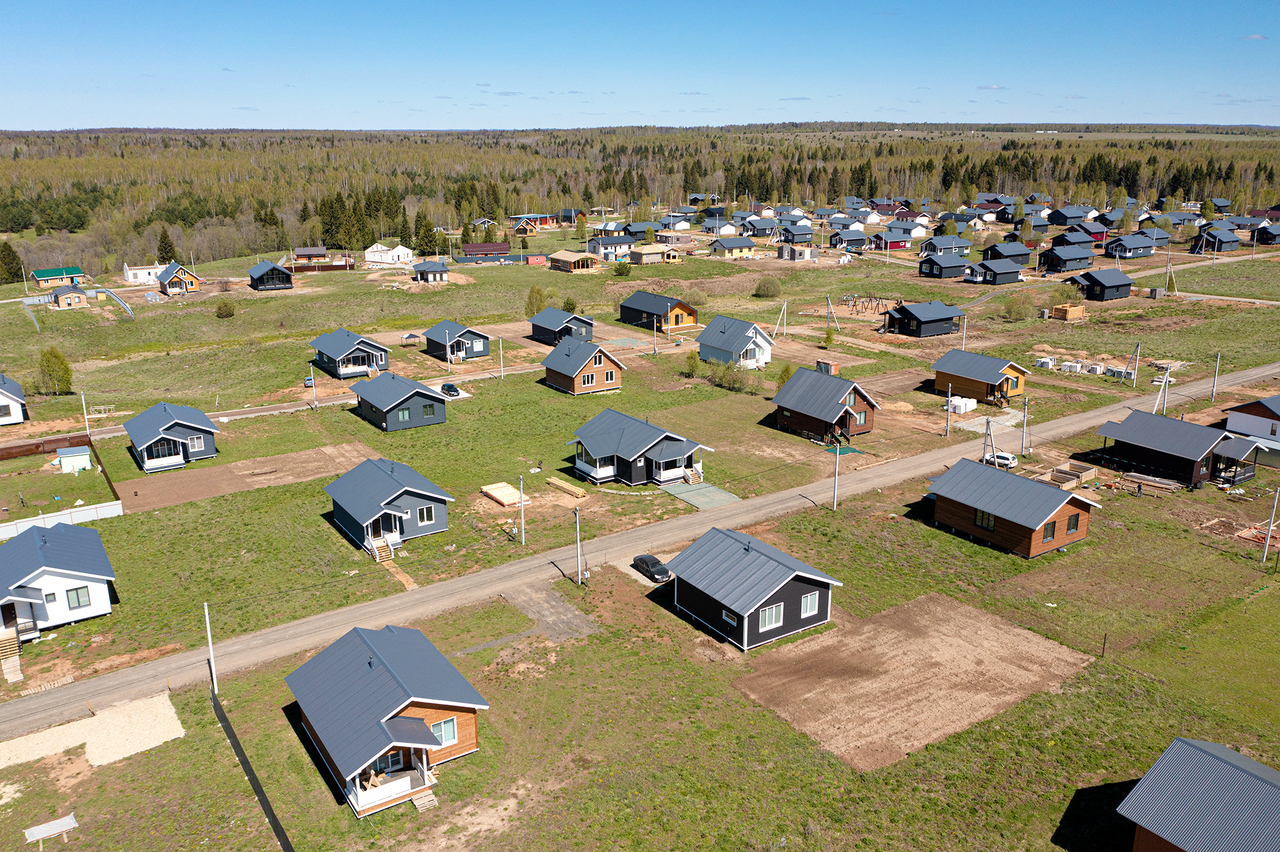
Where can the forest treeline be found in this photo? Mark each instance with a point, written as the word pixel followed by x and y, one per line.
pixel 98 199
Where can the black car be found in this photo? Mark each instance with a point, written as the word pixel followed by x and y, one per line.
pixel 450 390
pixel 651 567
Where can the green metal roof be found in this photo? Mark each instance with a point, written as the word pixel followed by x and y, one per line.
pixel 58 272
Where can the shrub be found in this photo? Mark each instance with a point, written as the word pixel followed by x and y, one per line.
pixel 829 339
pixel 1064 292
pixel 53 372
pixel 768 288
pixel 570 305
pixel 226 309
pixel 695 297
pixel 622 270
pixel 691 363
pixel 785 374
pixel 1019 306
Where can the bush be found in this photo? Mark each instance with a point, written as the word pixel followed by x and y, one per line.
pixel 829 339
pixel 695 297
pixel 768 288
pixel 226 309
pixel 785 374
pixel 1019 306
pixel 726 376
pixel 570 305
pixel 53 372
pixel 691 363
pixel 622 270
pixel 1063 293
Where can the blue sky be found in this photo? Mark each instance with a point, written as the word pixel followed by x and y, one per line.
pixel 567 64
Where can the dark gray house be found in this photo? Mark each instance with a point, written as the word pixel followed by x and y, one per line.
pixel 393 402
pixel 344 354
pixel 1157 236
pixel 552 324
pixel 1166 447
pixel 926 319
pixel 379 504
pixel 943 266
pixel 1129 246
pixel 1266 236
pixel 1066 258
pixel 1215 240
pixel 1067 216
pixel 852 240
pixel 268 276
pixel 1103 285
pixel 998 271
pixel 796 234
pixel 1201 796
pixel 1072 238
pixel 431 271
pixel 1016 252
pixel 945 245
pixel 166 436
pixel 747 592
pixel 653 311
pixel 759 227
pixel 458 340
pixel 613 446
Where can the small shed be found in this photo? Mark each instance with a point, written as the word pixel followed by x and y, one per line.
pixel 73 459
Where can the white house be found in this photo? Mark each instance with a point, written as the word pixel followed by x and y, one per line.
pixel 13 402
pixel 73 459
pixel 719 228
pixel 143 274
pixel 379 255
pixel 735 341
pixel 53 576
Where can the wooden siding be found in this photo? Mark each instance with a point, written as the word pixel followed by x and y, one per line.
pixel 324 752
pixel 680 316
pixel 1012 537
pixel 812 427
pixel 1146 841
pixel 468 730
pixel 574 385
pixel 981 391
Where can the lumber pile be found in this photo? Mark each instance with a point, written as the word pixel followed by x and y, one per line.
pixel 1068 313
pixel 1152 483
pixel 571 490
pixel 503 494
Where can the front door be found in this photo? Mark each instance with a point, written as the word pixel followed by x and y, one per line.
pixel 375 528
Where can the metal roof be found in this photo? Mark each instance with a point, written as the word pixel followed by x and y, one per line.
pixel 430 266
pixel 1008 250
pixel 1154 233
pixel 387 390
pixel 1236 447
pixel 1105 277
pixel 733 242
pixel 1016 499
pixel 818 395
pixel 166 274
pixel 948 242
pixel 760 223
pixel 612 433
pixel 948 260
pixel 57 272
pixel 1205 797
pixel 1069 252
pixel 68 288
pixel 1164 434
pixel 351 691
pixel 1000 265
pixel 447 331
pixel 571 355
pixel 555 318
pixel 339 343
pixel 643 300
pixel 931 311
pixel 853 236
pixel 798 230
pixel 260 269
pixel 156 420
pixel 10 388
pixel 366 489
pixel 613 241
pixel 61 547
pixel 1270 403
pixel 739 571
pixel 973 365
pixel 732 335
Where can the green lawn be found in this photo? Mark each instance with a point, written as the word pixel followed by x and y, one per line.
pixel 1258 279
pixel 32 478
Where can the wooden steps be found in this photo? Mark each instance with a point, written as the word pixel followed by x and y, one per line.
pixel 692 476
pixel 381 551
pixel 425 801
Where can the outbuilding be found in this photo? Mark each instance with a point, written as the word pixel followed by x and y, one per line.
pixel 573 261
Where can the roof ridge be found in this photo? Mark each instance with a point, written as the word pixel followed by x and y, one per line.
pixel 381 659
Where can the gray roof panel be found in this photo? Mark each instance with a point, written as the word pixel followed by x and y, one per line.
pixel 157 421
pixel 1164 434
pixel 643 300
pixel 612 433
pixel 555 318
pixel 1016 499
pixel 931 311
pixel 818 395
pixel 340 343
pixel 571 355
pixel 62 547
pixel 738 570
pixel 972 365
pixel 367 489
pixel 9 387
pixel 732 335
pixel 387 390
pixel 447 331
pixel 261 268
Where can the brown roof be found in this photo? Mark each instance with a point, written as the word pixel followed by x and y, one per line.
pixel 572 256
pixel 486 248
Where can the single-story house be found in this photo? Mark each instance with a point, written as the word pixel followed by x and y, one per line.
pixel 486 249
pixel 1095 231
pixel 1201 796
pixel 142 274
pixel 1267 235
pixel 824 407
pixel 822 214
pixel 540 220
pixel 609 229
pixel 379 504
pixel 760 227
pixel 1103 285
pixel 1038 225
pixel 647 255
pixel 310 254
pixel 270 276
pixel 167 435
pixel 898 229
pixel 1215 241
pixel 1157 236
pixel 431 272
pixel 1168 448
pixel 392 402
pixel 797 252
pixel 799 220
pixel 50 577
pixel 1220 205
pixel 344 354
pixel 1066 258
pixel 69 296
pixel 550 325
pixel 640 230
pixel 945 245
pixel 1071 238
pixel 1065 217
pixel 176 280
pixel 675 223
pixel 1111 218
pixel 1260 420
pixel 733 247
pixel 459 341
pixel 925 319
pixel 13 402
pixel 382 709
pixel 740 216
pixel 1021 515
pixel 673 238
pixel 796 234
pixel 573 261
pixel 652 311
pixel 482 223
pixel 1016 252
pixel 855 240
pixel 890 241
pixel 380 255
pixel 569 215
pixel 943 266
pixel 58 276
pixel 613 446
pixel 748 592
pixel 980 377
pixel 913 216
pixel 734 341
pixel 999 271
pixel 846 223
pixel 612 247
pixel 578 366
pixel 719 227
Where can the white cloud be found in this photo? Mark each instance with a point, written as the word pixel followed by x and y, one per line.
pixel 992 88
pixel 1254 37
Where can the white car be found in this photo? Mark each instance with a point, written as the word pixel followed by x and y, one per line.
pixel 1000 459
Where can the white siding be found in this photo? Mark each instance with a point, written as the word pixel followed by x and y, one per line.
pixel 58 583
pixel 1252 424
pixel 15 410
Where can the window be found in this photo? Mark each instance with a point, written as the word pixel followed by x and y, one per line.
pixel 729 617
pixel 809 605
pixel 1013 383
pixel 860 418
pixel 163 449
pixel 598 361
pixel 77 598
pixel 984 520
pixel 389 762
pixel 771 617
pixel 52 597
pixel 426 515
pixel 1049 530
pixel 1073 523
pixel 586 457
pixel 608 377
pixel 196 443
pixel 588 379
pixel 1204 465
pixel 447 731
pixel 429 410
pixel 1273 425
pixel 6 410
pixel 403 415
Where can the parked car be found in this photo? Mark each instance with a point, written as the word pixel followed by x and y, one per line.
pixel 308 382
pixel 1001 459
pixel 651 567
pixel 450 390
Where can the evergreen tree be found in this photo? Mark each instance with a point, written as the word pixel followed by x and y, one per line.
pixel 305 213
pixel 406 233
pixel 53 372
pixel 10 263
pixel 165 252
pixel 490 236
pixel 535 301
pixel 420 223
pixel 466 233
pixel 570 305
pixel 524 244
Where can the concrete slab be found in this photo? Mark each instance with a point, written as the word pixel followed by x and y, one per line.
pixel 701 496
pixel 556 617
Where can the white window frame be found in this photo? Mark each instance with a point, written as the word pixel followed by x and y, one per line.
pixel 809 605
pixel 392 761
pixel 196 443
pixel 608 376
pixel 770 617
pixel 438 728
pixel 588 380
pixel 598 360
pixel 426 515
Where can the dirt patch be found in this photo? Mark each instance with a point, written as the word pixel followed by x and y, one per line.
pixel 874 690
pixel 897 406
pixel 9 792
pixel 67 769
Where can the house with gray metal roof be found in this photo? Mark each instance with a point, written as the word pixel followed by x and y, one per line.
pixel 69 296
pixel 266 275
pixel 656 312
pixel 1129 246
pixel 382 709
pixel 1103 285
pixel 52 576
pixel 747 592
pixel 1260 421
pixel 551 325
pixel 13 402
pixel 796 234
pixel 998 271
pixel 1158 236
pixel 759 227
pixel 1169 448
pixel 1215 240
pixel 166 436
pixel 579 366
pixel 1068 216
pixel 1204 797
pixel 945 245
pixel 1021 515
pixel 925 319
pixel 176 280
pixel 380 504
pixel 737 342
pixel 393 402
pixel 823 407
pixel 344 354
pixel 734 246
pixel 453 341
pixel 611 247
pixel 1066 258
pixel 981 377
pixel 1015 251
pixel 943 266
pixel 613 446
pixel 854 240
pixel 430 272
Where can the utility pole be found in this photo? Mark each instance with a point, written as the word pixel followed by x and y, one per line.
pixel 522 510
pixel 964 333
pixel 577 531
pixel 315 400
pixel 1216 364
pixel 1266 542
pixel 208 631
pixel 655 335
pixel 835 483
pixel 947 434
pixel 1024 424
pixel 85 409
pixel 502 369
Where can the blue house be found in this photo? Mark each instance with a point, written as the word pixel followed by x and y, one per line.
pixel 460 342
pixel 393 402
pixel 380 504
pixel 167 436
pixel 344 354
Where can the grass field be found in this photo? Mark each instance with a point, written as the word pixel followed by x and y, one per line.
pixel 1257 279
pixel 37 483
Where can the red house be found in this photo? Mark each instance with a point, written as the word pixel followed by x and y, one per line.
pixel 884 242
